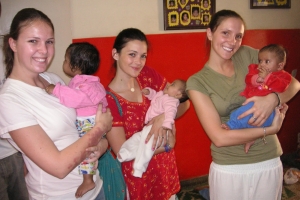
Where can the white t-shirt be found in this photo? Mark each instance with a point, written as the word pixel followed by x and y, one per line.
pixel 23 105
pixel 5 147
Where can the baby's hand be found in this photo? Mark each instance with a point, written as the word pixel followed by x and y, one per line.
pixel 145 91
pixel 49 89
pixel 263 73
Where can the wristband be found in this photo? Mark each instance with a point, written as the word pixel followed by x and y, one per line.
pixel 168 148
pixel 264 137
pixel 278 97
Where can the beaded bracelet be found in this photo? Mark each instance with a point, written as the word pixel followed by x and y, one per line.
pixel 168 148
pixel 264 137
pixel 278 97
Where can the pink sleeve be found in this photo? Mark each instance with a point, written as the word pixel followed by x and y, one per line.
pixel 170 107
pixel 151 94
pixel 86 95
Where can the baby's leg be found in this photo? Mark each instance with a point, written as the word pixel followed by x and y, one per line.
pixel 87 185
pixel 247 145
pixel 144 154
pixel 84 124
pixel 129 148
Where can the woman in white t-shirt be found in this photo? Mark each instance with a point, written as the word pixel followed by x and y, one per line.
pixel 36 123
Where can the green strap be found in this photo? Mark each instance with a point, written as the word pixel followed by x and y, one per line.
pixel 117 102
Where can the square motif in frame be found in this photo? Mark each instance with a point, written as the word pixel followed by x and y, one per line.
pixel 187 14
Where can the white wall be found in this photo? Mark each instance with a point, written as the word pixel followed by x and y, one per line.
pixel 100 18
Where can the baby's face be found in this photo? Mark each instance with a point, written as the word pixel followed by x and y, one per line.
pixel 269 61
pixel 174 89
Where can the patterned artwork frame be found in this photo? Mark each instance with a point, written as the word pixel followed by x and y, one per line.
pixel 187 14
pixel 271 4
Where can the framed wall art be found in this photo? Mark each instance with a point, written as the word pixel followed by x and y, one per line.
pixel 263 4
pixel 187 14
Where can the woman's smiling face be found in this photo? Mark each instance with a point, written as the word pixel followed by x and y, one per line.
pixel 132 57
pixel 34 48
pixel 227 37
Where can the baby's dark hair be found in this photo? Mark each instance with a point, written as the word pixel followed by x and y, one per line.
pixel 84 56
pixel 277 49
pixel 184 96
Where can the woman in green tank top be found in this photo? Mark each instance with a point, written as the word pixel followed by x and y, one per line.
pixel 214 92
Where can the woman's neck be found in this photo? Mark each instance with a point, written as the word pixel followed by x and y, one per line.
pixel 220 65
pixel 33 79
pixel 127 87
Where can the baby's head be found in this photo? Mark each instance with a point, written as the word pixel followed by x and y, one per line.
pixel 177 90
pixel 81 58
pixel 272 57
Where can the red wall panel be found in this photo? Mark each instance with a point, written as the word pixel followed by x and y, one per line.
pixel 181 55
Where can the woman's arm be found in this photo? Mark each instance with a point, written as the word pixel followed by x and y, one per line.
pixel 182 108
pixel 290 92
pixel 264 106
pixel 97 151
pixel 116 138
pixel 36 144
pixel 210 121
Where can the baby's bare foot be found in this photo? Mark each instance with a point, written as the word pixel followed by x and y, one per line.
pixel 87 185
pixel 225 126
pixel 248 145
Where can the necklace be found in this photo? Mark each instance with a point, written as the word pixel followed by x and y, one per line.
pixel 132 88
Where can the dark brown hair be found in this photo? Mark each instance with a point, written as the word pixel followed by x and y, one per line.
pixel 126 36
pixel 83 56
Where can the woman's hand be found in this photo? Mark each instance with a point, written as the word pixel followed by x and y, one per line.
pixel 171 140
pixel 158 131
pixel 172 137
pixel 103 121
pixel 97 151
pixel 279 117
pixel 261 109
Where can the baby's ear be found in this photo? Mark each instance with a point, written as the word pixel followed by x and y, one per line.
pixel 178 95
pixel 281 65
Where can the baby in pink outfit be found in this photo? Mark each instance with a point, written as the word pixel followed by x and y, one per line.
pixel 166 102
pixel 84 93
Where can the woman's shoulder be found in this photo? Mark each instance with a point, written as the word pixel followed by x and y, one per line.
pixel 244 56
pixel 148 71
pixel 244 49
pixel 149 77
pixel 199 74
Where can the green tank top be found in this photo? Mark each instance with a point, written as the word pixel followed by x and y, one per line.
pixel 225 95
